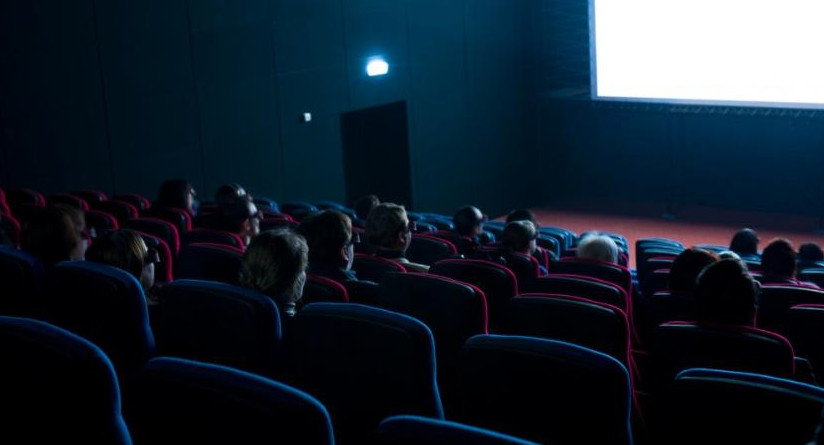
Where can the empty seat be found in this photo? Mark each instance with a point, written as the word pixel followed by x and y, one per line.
pixel 544 390
pixel 717 406
pixel 200 235
pixel 103 304
pixel 140 202
pixel 16 197
pixel 609 272
pixel 581 286
pixel 92 196
pixel 416 430
pixel 100 221
pixel 214 262
pixel 121 210
pixel 373 268
pixel 321 289
pixel 11 227
pixel 775 300
pixel 57 387
pixel 68 200
pixel 177 401
pixel 219 323
pixel 178 217
pixel 425 249
pixel 298 209
pixel 364 364
pixel 20 280
pixel 805 330
pixel 157 227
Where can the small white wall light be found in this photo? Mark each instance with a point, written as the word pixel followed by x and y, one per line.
pixel 377 67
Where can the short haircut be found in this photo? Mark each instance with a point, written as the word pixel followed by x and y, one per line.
pixel 517 235
pixel 52 234
pixel 273 262
pixel 364 205
pixel 466 219
pixel 810 252
pixel 174 194
pixel 228 193
pixel 725 293
pixel 326 233
pixel 384 223
pixel 745 242
pixel 522 215
pixel 123 248
pixel 686 267
pixel 778 258
pixel 235 213
pixel 598 247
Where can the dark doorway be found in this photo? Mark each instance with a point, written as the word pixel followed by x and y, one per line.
pixel 376 153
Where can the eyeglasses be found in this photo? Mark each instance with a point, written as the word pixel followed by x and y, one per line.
pixel 354 239
pixel 411 226
pixel 152 256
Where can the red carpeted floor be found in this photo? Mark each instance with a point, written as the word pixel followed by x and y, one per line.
pixel 690 227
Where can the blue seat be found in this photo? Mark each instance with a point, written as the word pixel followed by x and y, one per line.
pixel 364 364
pixel 20 281
pixel 219 323
pixel 102 304
pixel 426 249
pixel 544 390
pixel 56 387
pixel 207 261
pixel 718 406
pixel 416 430
pixel 177 401
pixel 298 209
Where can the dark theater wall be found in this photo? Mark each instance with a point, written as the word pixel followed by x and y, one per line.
pixel 119 95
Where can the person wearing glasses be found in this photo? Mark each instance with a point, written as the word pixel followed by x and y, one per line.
pixel 177 194
pixel 55 234
pixel 469 225
pixel 241 217
pixel 518 239
pixel 389 232
pixel 331 244
pixel 126 250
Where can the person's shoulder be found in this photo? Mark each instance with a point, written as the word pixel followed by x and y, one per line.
pixel 413 267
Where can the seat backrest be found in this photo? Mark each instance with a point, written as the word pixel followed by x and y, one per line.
pixel 775 300
pixel 140 202
pixel 213 262
pixel 581 286
pixel 219 323
pixel 182 401
pixel 157 227
pixel 103 304
pixel 11 227
pixel 364 364
pixel 91 196
pixel 680 345
pixel 179 217
pixel 497 282
pixel 416 430
pixel 121 210
pixel 57 387
pixel 298 209
pixel 373 268
pixel 656 281
pixel 718 406
pixel 464 244
pixel 544 390
pixel 805 329
pixel 427 249
pixel 525 267
pixel 69 200
pixel 21 276
pixel 321 289
pixel 812 275
pixel 101 221
pixel 16 197
pixel 200 235
pixel 4 206
pixel 609 272
pixel 588 323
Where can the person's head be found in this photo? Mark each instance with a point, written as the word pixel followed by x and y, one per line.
pixel 275 264
pixel 810 252
pixel 519 236
pixel 388 227
pixel 469 221
pixel 778 258
pixel 522 215
pixel 55 234
pixel 126 250
pixel 686 267
pixel 241 216
pixel 364 205
pixel 179 194
pixel 745 242
pixel 725 293
pixel 598 247
pixel 228 193
pixel 329 236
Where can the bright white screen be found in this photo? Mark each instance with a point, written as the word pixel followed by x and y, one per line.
pixel 759 52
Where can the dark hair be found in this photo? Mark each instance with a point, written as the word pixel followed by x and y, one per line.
pixel 517 235
pixel 522 215
pixel 174 194
pixel 810 252
pixel 725 293
pixel 52 234
pixel 745 242
pixel 122 248
pixel 228 193
pixel 326 233
pixel 466 219
pixel 778 258
pixel 384 224
pixel 273 263
pixel 364 205
pixel 235 213
pixel 686 267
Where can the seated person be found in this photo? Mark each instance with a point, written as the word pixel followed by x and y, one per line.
pixel 241 217
pixel 389 232
pixel 725 294
pixel 469 224
pixel 177 194
pixel 598 247
pixel 518 239
pixel 745 244
pixel 126 250
pixel 55 234
pixel 275 265
pixel 362 207
pixel 331 250
pixel 225 197
pixel 778 262
pixel 810 256
pixel 543 256
pixel 685 269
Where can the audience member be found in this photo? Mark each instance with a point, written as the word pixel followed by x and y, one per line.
pixel 686 267
pixel 810 255
pixel 126 250
pixel 389 232
pixel 745 244
pixel 362 207
pixel 725 294
pixel 599 247
pixel 177 194
pixel 240 216
pixel 518 238
pixel 522 215
pixel 55 234
pixel 469 224
pixel 275 264
pixel 778 262
pixel 331 244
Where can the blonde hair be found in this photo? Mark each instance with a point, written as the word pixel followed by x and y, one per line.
pixel 273 263
pixel 384 223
